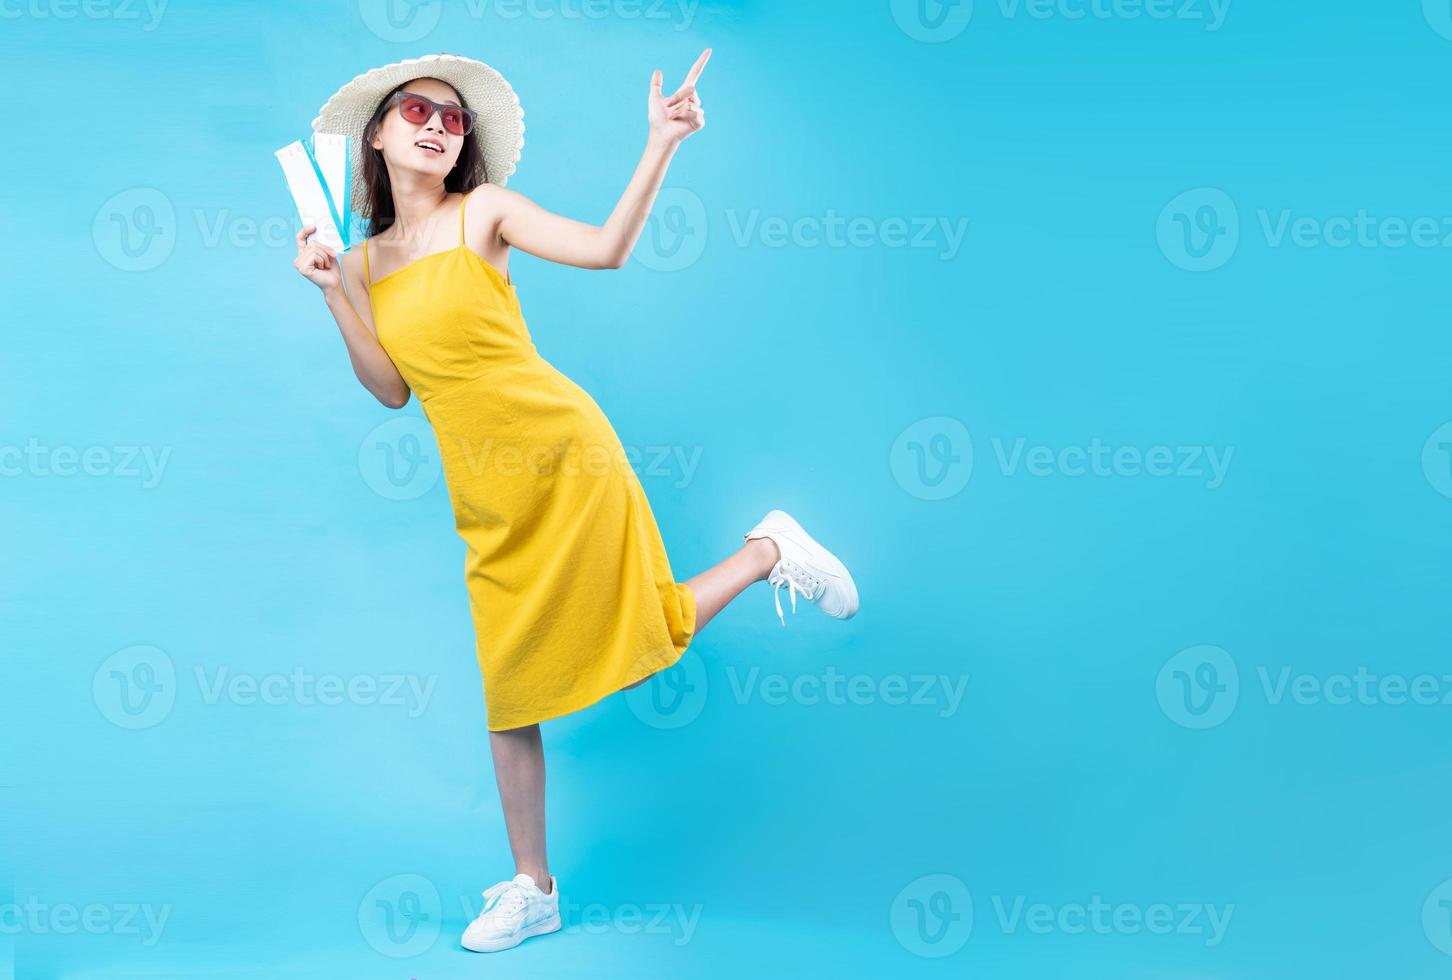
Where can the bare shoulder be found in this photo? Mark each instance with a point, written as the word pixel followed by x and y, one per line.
pixel 484 209
pixel 488 199
pixel 355 284
pixel 351 263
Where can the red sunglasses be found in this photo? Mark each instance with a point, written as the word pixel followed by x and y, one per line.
pixel 418 109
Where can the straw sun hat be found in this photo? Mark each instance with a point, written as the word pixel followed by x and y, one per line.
pixel 498 123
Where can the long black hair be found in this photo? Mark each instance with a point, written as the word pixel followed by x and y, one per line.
pixel 379 208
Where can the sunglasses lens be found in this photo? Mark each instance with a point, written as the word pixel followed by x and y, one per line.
pixel 414 110
pixel 455 122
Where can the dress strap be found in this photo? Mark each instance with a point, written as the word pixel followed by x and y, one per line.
pixel 367 278
pixel 461 216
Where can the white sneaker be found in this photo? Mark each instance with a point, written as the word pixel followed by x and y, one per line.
pixel 806 567
pixel 514 910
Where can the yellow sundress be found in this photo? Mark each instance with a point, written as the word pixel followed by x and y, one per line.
pixel 570 590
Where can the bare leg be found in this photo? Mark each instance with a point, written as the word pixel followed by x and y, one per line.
pixel 718 585
pixel 519 769
pixel 519 766
pixel 519 754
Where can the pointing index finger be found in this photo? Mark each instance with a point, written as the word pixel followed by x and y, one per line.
pixel 695 71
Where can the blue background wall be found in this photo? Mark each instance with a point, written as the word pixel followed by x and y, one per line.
pixel 1100 696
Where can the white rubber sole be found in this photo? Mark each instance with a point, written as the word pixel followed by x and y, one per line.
pixel 830 562
pixel 541 927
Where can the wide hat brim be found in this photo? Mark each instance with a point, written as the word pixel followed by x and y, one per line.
pixel 498 121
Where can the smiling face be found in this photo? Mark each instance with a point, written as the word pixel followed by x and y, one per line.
pixel 426 147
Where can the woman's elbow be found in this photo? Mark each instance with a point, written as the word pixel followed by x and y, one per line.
pixel 611 250
pixel 393 399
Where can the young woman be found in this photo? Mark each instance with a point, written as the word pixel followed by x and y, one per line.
pixel 571 592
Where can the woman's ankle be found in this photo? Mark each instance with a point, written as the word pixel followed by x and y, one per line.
pixel 541 877
pixel 766 554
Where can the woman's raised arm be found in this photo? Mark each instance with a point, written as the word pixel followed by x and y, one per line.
pixel 530 228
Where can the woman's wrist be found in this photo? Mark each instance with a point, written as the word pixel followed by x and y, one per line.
pixel 658 143
pixel 337 302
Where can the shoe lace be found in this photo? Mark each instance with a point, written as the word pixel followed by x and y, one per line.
pixel 796 579
pixel 510 896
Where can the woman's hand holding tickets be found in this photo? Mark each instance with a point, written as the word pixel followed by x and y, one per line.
pixel 317 263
